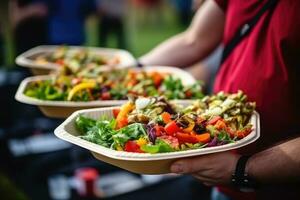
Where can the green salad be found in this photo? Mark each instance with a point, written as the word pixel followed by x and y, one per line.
pixel 154 125
pixel 113 85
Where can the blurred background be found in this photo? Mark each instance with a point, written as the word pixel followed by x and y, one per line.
pixel 34 164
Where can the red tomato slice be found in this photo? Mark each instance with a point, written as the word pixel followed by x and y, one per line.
pixel 132 146
pixel 159 130
pixel 188 94
pixel 171 128
pixel 116 112
pixel 214 120
pixel 172 141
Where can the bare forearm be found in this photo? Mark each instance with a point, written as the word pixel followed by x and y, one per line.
pixel 204 34
pixel 278 164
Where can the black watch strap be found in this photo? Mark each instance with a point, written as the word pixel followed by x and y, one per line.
pixel 240 178
pixel 241 165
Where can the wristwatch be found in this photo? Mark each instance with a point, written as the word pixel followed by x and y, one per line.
pixel 241 179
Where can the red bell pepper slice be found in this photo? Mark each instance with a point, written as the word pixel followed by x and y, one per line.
pixel 220 124
pixel 122 122
pixel 166 117
pixel 186 138
pixel 243 133
pixel 203 138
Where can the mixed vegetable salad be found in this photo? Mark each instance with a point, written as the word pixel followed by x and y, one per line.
pixel 154 125
pixel 74 61
pixel 113 85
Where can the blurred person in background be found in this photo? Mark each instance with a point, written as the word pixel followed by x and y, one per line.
pixel 184 9
pixel 39 22
pixel 67 20
pixel 148 11
pixel 265 65
pixel 112 13
pixel 29 23
pixel 147 4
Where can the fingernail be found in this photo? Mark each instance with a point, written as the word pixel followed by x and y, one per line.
pixel 177 168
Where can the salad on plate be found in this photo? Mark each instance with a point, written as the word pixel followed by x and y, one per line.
pixel 73 61
pixel 113 85
pixel 155 125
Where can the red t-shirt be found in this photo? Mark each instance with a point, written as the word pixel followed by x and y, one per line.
pixel 265 65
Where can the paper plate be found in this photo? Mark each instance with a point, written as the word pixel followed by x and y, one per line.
pixel 62 109
pixel 27 59
pixel 143 163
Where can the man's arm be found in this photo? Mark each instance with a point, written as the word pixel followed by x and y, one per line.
pixel 278 164
pixel 203 35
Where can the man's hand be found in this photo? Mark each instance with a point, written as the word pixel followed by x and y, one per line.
pixel 212 169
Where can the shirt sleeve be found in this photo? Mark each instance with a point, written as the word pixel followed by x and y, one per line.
pixel 222 4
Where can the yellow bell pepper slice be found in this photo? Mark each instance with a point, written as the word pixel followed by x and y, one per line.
pixel 79 87
pixel 141 141
pixel 119 148
pixel 189 128
pixel 124 110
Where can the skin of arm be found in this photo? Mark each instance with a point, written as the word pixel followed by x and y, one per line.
pixel 17 13
pixel 184 49
pixel 278 164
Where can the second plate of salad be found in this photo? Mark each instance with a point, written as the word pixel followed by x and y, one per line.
pixel 44 59
pixel 59 96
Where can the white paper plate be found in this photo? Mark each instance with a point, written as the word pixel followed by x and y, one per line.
pixel 27 59
pixel 62 109
pixel 142 162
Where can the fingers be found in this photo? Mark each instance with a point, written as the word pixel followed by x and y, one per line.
pixel 191 165
pixel 205 180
